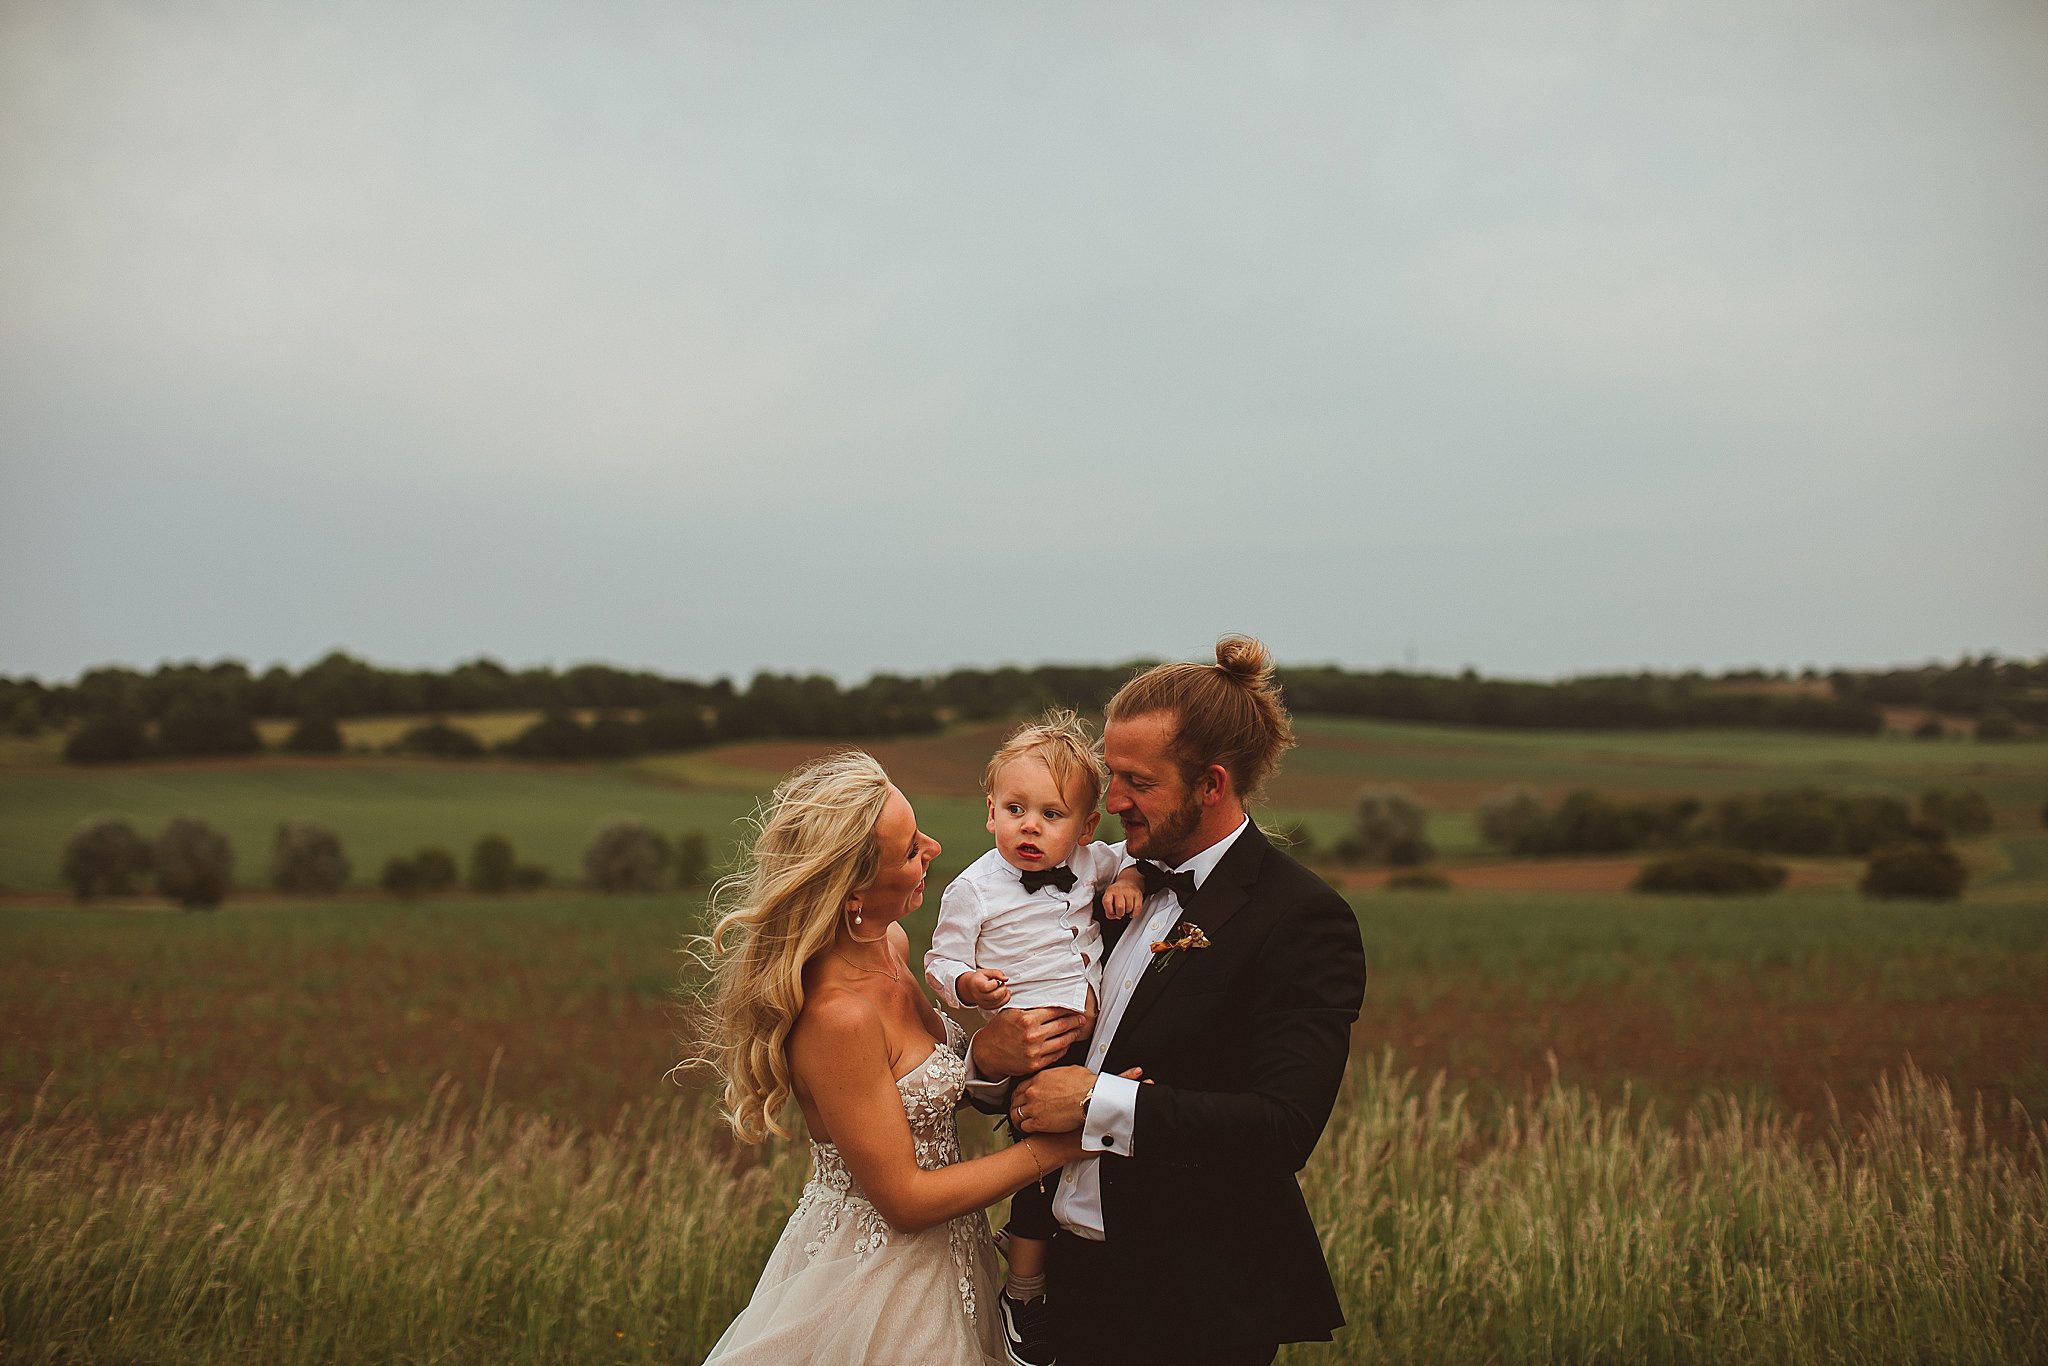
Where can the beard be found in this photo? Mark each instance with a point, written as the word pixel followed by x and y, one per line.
pixel 1165 840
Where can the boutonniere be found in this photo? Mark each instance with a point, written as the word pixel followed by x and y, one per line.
pixel 1191 937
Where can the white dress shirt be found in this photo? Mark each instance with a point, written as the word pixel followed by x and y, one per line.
pixel 1113 1105
pixel 1046 943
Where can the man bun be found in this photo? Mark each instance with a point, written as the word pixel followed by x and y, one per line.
pixel 1244 658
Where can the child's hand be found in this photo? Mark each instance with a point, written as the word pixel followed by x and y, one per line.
pixel 1124 896
pixel 982 990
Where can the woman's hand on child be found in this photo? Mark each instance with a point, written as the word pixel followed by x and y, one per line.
pixel 982 990
pixel 1125 896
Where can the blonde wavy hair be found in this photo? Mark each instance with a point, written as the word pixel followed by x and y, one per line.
pixel 814 845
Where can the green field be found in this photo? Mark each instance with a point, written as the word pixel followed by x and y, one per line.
pixel 1580 1125
pixel 1575 1129
pixel 384 806
pixel 361 1007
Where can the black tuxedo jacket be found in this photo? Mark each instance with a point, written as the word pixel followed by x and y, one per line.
pixel 1208 1241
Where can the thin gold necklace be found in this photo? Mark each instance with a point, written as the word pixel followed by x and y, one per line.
pixel 890 972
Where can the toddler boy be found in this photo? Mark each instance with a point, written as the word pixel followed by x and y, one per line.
pixel 1017 931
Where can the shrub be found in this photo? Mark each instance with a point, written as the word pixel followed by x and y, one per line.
pixel 106 740
pixel 491 864
pixel 1509 816
pixel 1926 872
pixel 104 859
pixel 207 727
pixel 1418 880
pixel 25 719
pixel 1800 820
pixel 693 860
pixel 1996 724
pixel 626 856
pixel 614 737
pixel 1410 851
pixel 1717 872
pixel 1871 822
pixel 437 869
pixel 1384 821
pixel 1804 821
pixel 677 726
pixel 429 870
pixel 308 859
pixel 1930 729
pixel 439 740
pixel 1957 811
pixel 315 733
pixel 555 736
pixel 1586 822
pixel 530 877
pixel 401 877
pixel 193 864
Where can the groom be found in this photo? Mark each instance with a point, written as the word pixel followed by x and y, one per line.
pixel 1234 990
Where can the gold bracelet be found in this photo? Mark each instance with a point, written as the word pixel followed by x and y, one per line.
pixel 1036 1166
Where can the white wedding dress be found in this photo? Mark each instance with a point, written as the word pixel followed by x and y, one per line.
pixel 842 1288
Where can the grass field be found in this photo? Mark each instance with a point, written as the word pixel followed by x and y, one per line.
pixel 361 1008
pixel 257 1134
pixel 1581 1125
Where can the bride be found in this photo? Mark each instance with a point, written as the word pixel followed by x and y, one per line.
pixel 887 1256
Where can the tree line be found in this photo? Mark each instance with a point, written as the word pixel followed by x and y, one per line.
pixel 1707 845
pixel 192 863
pixel 193 709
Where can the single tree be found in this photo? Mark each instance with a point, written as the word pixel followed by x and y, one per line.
pixel 1507 817
pixel 104 859
pixel 194 864
pixel 437 869
pixel 491 864
pixel 315 733
pixel 1389 826
pixel 307 859
pixel 626 856
pixel 401 877
pixel 436 739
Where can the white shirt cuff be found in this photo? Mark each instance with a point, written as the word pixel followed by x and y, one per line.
pixel 982 1086
pixel 943 976
pixel 1112 1112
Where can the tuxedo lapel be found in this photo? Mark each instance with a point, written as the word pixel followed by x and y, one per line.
pixel 1223 894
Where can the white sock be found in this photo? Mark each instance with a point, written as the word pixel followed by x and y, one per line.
pixel 1024 1289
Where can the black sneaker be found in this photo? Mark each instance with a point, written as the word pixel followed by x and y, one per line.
pixel 1027 1331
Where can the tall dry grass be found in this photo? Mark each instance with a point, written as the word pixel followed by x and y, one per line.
pixel 1563 1231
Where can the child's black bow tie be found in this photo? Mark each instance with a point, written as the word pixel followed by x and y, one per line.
pixel 1061 877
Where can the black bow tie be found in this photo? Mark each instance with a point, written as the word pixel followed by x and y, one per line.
pixel 1061 877
pixel 1157 879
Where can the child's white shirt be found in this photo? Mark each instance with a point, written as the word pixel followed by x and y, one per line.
pixel 1045 943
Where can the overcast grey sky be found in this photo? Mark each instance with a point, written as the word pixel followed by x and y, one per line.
pixel 1539 337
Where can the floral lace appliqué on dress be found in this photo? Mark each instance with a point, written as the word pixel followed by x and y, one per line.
pixel 842 1285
